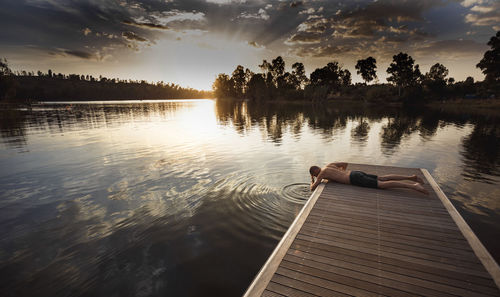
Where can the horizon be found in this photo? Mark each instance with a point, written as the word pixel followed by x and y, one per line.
pixel 190 42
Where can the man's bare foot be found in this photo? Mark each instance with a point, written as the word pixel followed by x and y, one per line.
pixel 418 179
pixel 419 188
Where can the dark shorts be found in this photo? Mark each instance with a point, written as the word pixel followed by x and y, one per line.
pixel 359 178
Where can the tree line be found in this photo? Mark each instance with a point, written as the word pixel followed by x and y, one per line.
pixel 405 80
pixel 22 86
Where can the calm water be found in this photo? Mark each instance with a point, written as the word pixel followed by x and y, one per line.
pixel 188 198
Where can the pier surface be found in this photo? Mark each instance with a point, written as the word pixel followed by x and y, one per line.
pixel 353 241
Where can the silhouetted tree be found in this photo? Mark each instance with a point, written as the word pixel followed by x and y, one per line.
pixel 490 63
pixel 223 86
pixel 402 71
pixel 257 88
pixel 239 81
pixel 299 74
pixel 6 82
pixel 367 68
pixel 345 76
pixel 330 75
pixel 435 80
pixel 437 72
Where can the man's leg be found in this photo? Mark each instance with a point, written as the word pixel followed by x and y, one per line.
pixel 398 184
pixel 400 177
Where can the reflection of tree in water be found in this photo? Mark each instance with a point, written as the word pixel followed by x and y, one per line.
pixel 13 127
pixel 428 125
pixel 360 132
pixel 274 119
pixel 481 151
pixel 395 130
pixel 58 119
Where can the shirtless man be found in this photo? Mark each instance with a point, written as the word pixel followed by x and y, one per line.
pixel 337 172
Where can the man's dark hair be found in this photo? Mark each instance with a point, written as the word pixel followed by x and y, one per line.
pixel 313 169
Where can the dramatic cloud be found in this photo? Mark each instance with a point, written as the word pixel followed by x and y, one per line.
pixel 75 53
pixel 146 25
pixel 132 36
pixel 312 31
pixel 451 48
pixel 304 38
pixel 483 13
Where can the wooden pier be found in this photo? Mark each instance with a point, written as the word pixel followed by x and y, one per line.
pixel 353 241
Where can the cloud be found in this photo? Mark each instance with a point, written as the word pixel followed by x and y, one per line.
pixel 468 3
pixel 220 2
pixel 327 51
pixel 133 37
pixel 451 48
pixel 484 13
pixel 79 54
pixel 254 44
pixel 304 38
pixel 74 53
pixel 146 25
pixel 317 25
pixel 261 14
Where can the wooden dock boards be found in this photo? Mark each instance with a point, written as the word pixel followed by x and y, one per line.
pixel 352 241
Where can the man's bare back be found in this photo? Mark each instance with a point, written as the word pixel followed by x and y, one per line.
pixel 336 172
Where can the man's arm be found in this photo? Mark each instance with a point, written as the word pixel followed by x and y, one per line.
pixel 342 165
pixel 317 182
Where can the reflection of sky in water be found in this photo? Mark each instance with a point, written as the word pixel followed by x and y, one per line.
pixel 149 197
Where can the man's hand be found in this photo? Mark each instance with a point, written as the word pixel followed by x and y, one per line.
pixel 314 183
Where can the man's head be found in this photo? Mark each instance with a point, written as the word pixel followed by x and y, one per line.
pixel 314 170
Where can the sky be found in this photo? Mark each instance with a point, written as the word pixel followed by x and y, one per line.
pixel 189 42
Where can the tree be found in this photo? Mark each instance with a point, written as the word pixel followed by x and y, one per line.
pixel 402 71
pixel 239 81
pixel 437 72
pixel 6 82
pixel 435 80
pixel 330 75
pixel 278 67
pixel 223 86
pixel 299 74
pixel 345 76
pixel 273 71
pixel 367 68
pixel 257 88
pixel 490 63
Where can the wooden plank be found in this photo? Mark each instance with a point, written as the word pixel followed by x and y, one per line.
pixel 405 250
pixel 324 283
pixel 286 290
pixel 379 267
pixel 266 273
pixel 377 239
pixel 370 279
pixel 338 275
pixel 308 288
pixel 429 221
pixel 267 293
pixel 481 252
pixel 368 250
pixel 379 261
pixel 390 224
pixel 390 237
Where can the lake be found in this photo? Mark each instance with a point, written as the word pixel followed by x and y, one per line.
pixel 189 197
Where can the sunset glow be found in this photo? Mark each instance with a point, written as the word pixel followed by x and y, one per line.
pixel 190 42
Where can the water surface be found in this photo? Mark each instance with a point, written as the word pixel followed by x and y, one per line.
pixel 188 198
